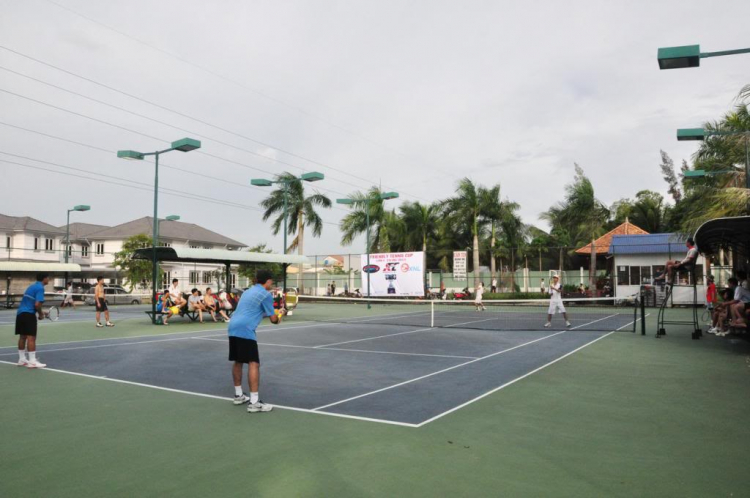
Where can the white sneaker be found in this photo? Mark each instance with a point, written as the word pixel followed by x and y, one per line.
pixel 547 325
pixel 567 324
pixel 35 364
pixel 241 399
pixel 110 324
pixel 711 330
pixel 99 325
pixel 23 363
pixel 258 406
pixel 226 321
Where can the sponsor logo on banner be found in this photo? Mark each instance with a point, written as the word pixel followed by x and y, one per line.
pixel 395 274
pixel 371 268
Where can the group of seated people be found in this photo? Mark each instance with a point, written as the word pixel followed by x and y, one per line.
pixel 732 312
pixel 173 302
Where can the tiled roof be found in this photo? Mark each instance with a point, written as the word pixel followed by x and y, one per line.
pixel 602 243
pixel 174 230
pixel 82 230
pixel 26 223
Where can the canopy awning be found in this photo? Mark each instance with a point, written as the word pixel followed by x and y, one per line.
pixel 37 267
pixel 726 233
pixel 216 256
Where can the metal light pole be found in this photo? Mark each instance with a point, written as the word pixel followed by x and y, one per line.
pixel 80 207
pixel 689 56
pixel 367 200
pixel 313 176
pixel 184 145
pixel 700 134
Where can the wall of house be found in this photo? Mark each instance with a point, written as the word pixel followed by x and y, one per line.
pixel 681 295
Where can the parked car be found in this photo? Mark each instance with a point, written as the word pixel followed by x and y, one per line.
pixel 115 294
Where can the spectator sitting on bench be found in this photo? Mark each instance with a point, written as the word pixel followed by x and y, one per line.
pixel 725 310
pixel 195 303
pixel 224 300
pixel 176 296
pixel 166 307
pixel 687 263
pixel 739 309
pixel 213 306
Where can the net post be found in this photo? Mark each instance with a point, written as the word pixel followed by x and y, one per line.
pixel 642 305
pixel 432 314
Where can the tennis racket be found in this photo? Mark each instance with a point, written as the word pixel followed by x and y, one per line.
pixel 707 318
pixel 52 314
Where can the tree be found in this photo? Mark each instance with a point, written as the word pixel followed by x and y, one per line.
pixel 300 211
pixel 467 208
pixel 136 271
pixel 667 171
pixel 355 223
pixel 421 224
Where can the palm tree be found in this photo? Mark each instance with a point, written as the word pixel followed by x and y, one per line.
pixel 493 211
pixel 421 223
pixel 355 223
pixel 300 211
pixel 466 208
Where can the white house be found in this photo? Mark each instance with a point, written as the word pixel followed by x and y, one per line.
pixel 637 259
pixel 27 239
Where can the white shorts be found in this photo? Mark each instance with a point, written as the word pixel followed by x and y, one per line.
pixel 556 307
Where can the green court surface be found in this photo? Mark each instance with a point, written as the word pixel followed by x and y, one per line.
pixel 629 415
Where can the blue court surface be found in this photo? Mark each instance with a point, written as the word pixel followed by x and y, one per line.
pixel 382 373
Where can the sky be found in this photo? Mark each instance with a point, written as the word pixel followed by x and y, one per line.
pixel 411 96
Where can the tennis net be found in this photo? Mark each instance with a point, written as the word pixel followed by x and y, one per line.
pixel 593 314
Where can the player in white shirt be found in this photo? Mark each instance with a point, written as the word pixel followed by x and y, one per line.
pixel 555 302
pixel 688 262
pixel 478 298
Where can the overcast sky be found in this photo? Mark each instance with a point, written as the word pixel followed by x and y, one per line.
pixel 410 95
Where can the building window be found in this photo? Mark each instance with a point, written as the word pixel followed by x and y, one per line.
pixel 194 247
pixel 623 275
pixel 165 244
pixel 49 244
pixel 194 277
pixel 645 275
pixel 8 242
pixel 84 251
pixel 207 247
pixel 207 277
pixel 635 275
pixel 70 251
pixel 166 278
pixel 234 280
pixel 36 243
pixel 100 249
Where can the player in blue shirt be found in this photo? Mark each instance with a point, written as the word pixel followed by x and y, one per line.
pixel 31 305
pixel 255 304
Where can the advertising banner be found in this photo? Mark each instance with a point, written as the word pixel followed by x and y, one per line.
pixel 394 274
pixel 459 264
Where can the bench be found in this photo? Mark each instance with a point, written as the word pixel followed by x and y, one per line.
pixel 192 315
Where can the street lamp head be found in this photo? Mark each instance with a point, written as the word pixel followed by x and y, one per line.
pixel 313 176
pixel 186 145
pixel 686 134
pixel 172 217
pixel 696 173
pixel 81 207
pixel 389 195
pixel 130 154
pixel 344 201
pixel 679 57
pixel 260 182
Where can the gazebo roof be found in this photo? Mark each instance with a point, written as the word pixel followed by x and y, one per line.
pixel 601 245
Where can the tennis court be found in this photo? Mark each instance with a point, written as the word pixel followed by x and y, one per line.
pixel 376 364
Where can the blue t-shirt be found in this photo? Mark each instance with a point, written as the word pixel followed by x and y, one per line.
pixel 254 304
pixel 34 294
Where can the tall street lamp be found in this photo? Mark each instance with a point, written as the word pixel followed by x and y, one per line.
pixel 313 176
pixel 700 134
pixel 384 196
pixel 80 207
pixel 184 145
pixel 689 56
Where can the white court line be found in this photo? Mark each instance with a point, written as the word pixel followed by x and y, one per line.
pixel 463 405
pixel 271 326
pixel 45 351
pixel 317 348
pixel 212 396
pixel 455 366
pixel 398 333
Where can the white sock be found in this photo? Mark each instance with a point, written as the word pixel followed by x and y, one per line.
pixel 22 355
pixel 253 397
pixel 32 355
pixel 238 390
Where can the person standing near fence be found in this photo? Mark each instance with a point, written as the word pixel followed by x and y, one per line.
pixel 493 287
pixel 478 298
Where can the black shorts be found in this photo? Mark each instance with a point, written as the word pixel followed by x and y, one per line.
pixel 26 324
pixel 243 350
pixel 101 305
